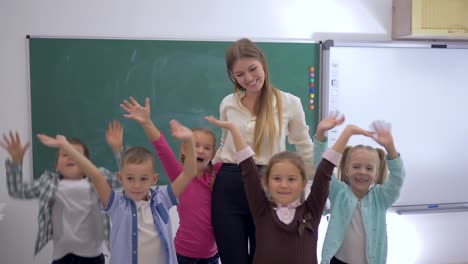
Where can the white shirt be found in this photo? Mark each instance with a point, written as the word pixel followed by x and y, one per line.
pixel 353 248
pixel 77 220
pixel 150 249
pixel 294 127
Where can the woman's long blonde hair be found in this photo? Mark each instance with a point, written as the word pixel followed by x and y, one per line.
pixel 264 108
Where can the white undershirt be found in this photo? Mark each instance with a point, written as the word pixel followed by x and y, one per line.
pixel 286 213
pixel 77 220
pixel 353 248
pixel 150 249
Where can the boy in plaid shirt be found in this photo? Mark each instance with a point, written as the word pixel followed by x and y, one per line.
pixel 69 212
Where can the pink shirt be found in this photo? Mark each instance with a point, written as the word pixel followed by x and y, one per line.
pixel 195 237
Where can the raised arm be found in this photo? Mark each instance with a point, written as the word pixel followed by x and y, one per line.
pixel 392 186
pixel 347 133
pixel 114 138
pixel 100 184
pixel 319 190
pixel 333 120
pixel 190 162
pixel 141 115
pixel 253 187
pixel 222 117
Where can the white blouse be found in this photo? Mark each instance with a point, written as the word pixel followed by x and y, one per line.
pixel 294 127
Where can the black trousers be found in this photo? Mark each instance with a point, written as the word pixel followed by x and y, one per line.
pixel 336 261
pixel 233 225
pixel 75 259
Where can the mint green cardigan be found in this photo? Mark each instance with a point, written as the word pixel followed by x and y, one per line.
pixel 374 210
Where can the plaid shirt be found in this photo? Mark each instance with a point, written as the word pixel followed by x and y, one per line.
pixel 45 188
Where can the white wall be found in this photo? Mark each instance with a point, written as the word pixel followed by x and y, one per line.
pixel 203 19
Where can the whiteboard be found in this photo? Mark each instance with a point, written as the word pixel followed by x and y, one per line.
pixel 423 92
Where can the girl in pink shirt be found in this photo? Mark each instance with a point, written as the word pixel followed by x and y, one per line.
pixel 194 241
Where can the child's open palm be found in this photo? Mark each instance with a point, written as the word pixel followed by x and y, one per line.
pixel 56 142
pixel 179 131
pixel 14 147
pixel 136 111
pixel 114 135
pixel 333 120
pixel 383 134
pixel 218 123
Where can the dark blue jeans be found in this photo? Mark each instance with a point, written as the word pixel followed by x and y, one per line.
pixel 186 260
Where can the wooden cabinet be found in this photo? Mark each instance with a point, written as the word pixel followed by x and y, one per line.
pixel 430 19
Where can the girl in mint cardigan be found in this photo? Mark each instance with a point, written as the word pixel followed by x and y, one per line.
pixel 360 195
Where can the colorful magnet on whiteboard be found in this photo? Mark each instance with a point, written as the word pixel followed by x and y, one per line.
pixel 311 90
pixel 311 107
pixel 312 95
pixel 311 84
pixel 311 101
pixel 312 74
pixel 312 80
pixel 312 69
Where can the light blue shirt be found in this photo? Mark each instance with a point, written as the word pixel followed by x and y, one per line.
pixel 374 210
pixel 124 233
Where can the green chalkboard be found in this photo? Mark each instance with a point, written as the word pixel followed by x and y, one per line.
pixel 78 84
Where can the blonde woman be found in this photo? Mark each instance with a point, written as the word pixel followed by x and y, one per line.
pixel 265 116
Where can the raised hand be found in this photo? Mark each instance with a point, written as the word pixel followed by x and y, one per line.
pixel 179 131
pixel 57 142
pixel 14 147
pixel 333 120
pixel 114 135
pixel 136 111
pixel 190 162
pixel 355 130
pixel 219 123
pixel 239 141
pixel 348 132
pixel 383 136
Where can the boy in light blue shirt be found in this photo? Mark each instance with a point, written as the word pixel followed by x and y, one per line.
pixel 141 229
